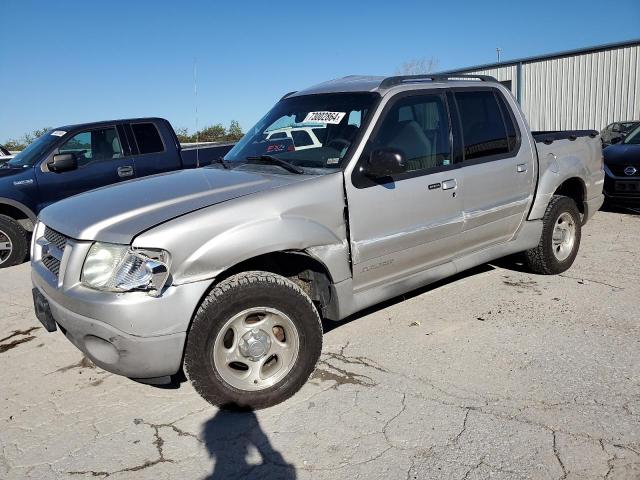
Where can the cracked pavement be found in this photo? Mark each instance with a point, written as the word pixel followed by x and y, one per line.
pixel 497 373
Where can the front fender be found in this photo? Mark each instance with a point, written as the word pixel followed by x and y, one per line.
pixel 251 240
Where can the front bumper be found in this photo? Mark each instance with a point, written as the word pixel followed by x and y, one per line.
pixel 621 190
pixel 95 322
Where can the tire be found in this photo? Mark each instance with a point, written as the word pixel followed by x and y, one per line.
pixel 550 258
pixel 13 235
pixel 207 357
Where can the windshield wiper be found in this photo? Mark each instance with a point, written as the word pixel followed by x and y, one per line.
pixel 275 161
pixel 222 162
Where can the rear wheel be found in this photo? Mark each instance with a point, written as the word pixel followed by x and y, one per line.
pixel 560 240
pixel 254 341
pixel 13 242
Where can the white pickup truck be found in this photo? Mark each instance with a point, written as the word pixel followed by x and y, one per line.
pixel 227 270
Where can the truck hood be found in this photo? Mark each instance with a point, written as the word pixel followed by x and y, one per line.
pixel 617 154
pixel 10 172
pixel 118 213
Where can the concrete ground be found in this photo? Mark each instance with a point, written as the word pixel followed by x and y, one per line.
pixel 497 373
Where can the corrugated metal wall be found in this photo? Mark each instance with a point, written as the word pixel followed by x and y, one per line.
pixel 586 91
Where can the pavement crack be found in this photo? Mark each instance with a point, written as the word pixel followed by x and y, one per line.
pixel 556 452
pixel 473 468
pixel 582 279
pixel 388 422
pixel 464 426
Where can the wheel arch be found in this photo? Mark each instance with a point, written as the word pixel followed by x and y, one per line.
pixel 310 273
pixel 574 188
pixel 19 212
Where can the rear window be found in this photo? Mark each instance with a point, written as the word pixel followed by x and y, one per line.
pixel 301 138
pixel 483 128
pixel 147 137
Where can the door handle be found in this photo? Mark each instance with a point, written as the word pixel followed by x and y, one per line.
pixel 126 171
pixel 449 184
pixel 522 168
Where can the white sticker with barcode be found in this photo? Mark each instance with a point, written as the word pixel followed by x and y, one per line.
pixel 324 117
pixel 59 133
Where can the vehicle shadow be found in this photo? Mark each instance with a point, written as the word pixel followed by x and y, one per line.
pixel 231 437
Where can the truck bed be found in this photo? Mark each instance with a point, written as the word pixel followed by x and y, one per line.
pixel 202 155
pixel 564 155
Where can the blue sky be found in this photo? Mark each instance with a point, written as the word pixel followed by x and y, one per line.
pixel 70 61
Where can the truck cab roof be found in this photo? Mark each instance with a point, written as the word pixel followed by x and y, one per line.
pixel 103 123
pixel 381 84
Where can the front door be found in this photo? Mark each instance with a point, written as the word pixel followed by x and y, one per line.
pixel 410 222
pixel 101 161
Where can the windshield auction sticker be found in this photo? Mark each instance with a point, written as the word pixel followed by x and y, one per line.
pixel 59 133
pixel 324 117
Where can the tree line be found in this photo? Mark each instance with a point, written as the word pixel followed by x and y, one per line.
pixel 213 133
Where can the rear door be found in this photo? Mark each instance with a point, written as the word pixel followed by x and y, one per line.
pixel 410 222
pixel 101 161
pixel 497 174
pixel 151 154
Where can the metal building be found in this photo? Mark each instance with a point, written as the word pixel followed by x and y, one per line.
pixel 587 88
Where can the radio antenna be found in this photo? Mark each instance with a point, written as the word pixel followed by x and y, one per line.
pixel 195 94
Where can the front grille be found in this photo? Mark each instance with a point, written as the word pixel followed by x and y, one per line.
pixel 52 264
pixel 618 170
pixel 58 239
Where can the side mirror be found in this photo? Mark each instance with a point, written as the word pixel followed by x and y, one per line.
pixel 384 162
pixel 63 162
pixel 615 140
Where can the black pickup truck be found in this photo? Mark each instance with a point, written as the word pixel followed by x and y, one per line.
pixel 73 159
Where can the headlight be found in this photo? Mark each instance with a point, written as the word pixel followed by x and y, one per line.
pixel 118 268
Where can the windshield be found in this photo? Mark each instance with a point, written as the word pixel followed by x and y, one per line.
pixel 31 154
pixel 314 132
pixel 633 138
pixel 628 126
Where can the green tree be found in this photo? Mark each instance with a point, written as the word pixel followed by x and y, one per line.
pixel 22 143
pixel 184 136
pixel 213 133
pixel 235 131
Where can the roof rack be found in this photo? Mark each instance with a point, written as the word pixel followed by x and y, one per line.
pixel 392 81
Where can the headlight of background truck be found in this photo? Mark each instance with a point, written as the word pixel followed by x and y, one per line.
pixel 118 268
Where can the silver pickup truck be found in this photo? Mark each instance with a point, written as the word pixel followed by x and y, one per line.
pixel 225 272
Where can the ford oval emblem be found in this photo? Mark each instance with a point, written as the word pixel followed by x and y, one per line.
pixel 630 171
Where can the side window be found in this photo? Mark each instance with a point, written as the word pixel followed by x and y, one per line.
pixel 301 138
pixel 419 127
pixel 483 129
pixel 147 138
pixel 512 130
pixel 94 146
pixel 615 127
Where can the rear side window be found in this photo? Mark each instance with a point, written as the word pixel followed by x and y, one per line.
pixel 512 132
pixel 483 128
pixel 147 138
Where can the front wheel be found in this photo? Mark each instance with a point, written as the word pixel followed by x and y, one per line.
pixel 13 242
pixel 560 240
pixel 254 341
